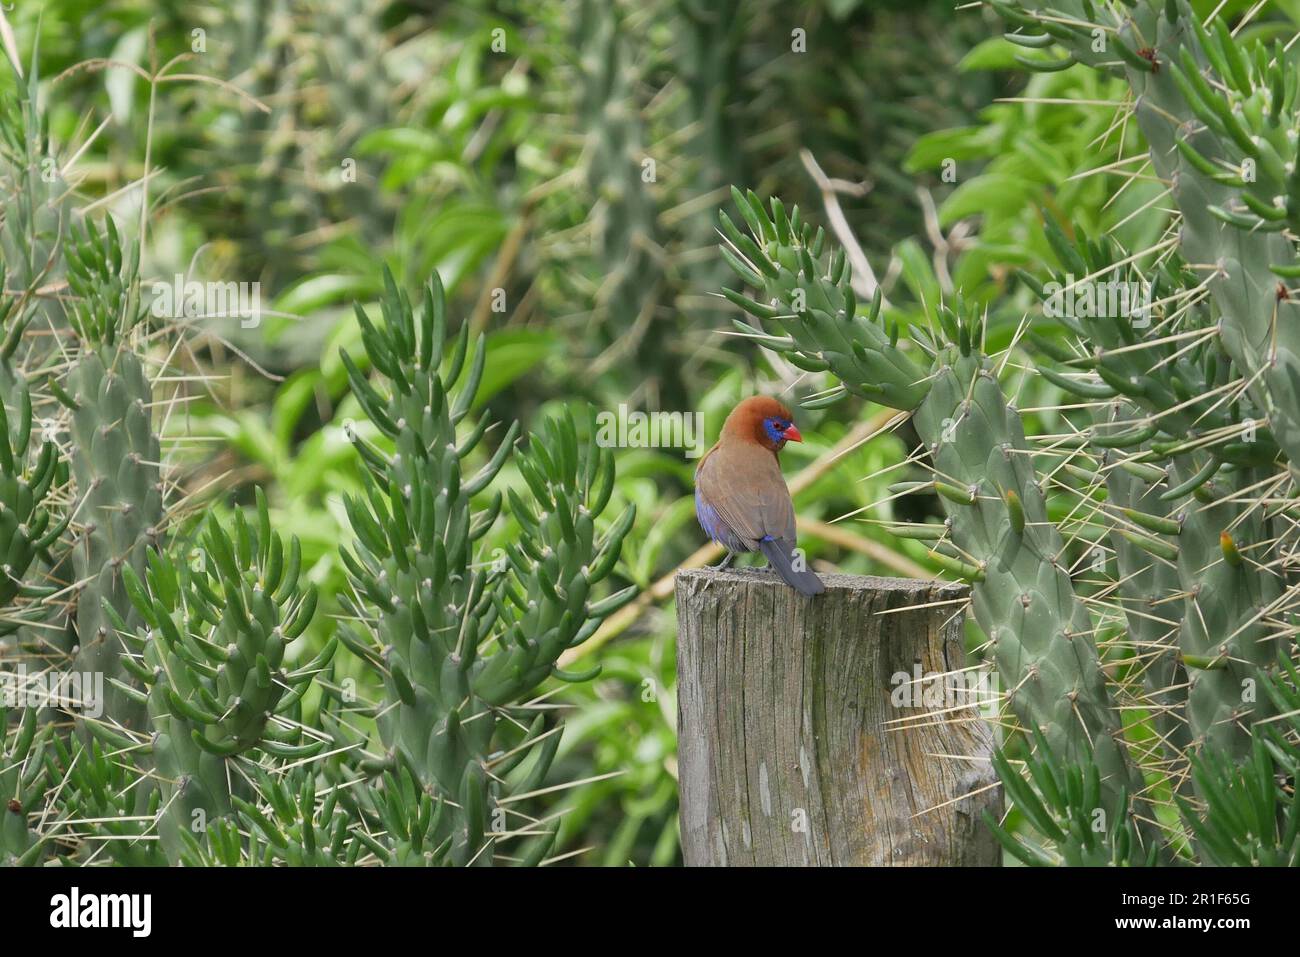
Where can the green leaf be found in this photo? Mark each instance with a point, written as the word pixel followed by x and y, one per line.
pixel 316 292
pixel 995 53
pixel 962 143
pixel 989 193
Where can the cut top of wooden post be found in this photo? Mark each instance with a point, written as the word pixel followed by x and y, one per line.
pixel 844 728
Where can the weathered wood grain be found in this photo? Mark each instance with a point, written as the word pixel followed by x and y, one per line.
pixel 785 755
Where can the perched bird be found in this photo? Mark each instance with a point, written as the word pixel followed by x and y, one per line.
pixel 741 498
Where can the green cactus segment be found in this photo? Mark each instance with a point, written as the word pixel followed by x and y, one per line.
pixel 1149 588
pixel 212 654
pixel 293 823
pixel 300 814
pixel 103 279
pixel 619 182
pixel 115 456
pixel 1152 356
pixel 462 637
pixel 1258 321
pixel 34 212
pixel 112 804
pixel 1231 602
pixel 809 296
pixel 1219 120
pixel 322 72
pixel 1064 803
pixel 267 166
pixel 35 200
pixel 23 780
pixel 27 526
pixel 1042 636
pixel 15 317
pixel 1249 820
pixel 413 824
pixel 399 824
pixel 613 172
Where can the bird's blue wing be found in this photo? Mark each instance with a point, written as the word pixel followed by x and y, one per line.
pixel 715 527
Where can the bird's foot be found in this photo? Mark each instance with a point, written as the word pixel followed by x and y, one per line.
pixel 724 564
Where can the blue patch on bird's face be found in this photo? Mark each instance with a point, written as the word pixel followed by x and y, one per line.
pixel 775 428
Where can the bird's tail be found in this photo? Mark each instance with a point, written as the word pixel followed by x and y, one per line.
pixel 778 553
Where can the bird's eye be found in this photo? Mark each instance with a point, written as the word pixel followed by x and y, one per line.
pixel 779 426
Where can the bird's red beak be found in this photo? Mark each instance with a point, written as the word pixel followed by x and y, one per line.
pixel 792 434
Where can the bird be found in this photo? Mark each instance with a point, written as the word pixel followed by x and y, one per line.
pixel 741 499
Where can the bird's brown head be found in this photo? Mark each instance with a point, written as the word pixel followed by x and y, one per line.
pixel 762 420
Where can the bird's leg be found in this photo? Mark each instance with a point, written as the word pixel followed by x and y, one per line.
pixel 726 562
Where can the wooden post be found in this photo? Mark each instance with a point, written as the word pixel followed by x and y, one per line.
pixel 795 746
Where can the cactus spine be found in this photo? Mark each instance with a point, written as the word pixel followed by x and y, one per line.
pixel 1220 124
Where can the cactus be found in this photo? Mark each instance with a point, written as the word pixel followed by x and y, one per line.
pixel 27 526
pixel 1226 636
pixel 1178 417
pixel 1064 804
pixel 191 657
pixel 212 653
pixel 1226 592
pixel 206 752
pixel 222 707
pixel 1185 447
pixel 110 799
pixel 34 215
pixel 14 320
pixel 1219 118
pixel 1250 821
pixel 115 456
pixel 259 159
pixel 320 71
pixel 453 722
pixel 35 211
pixel 350 59
pixel 23 776
pixel 1218 121
pixel 1158 357
pixel 1041 635
pixel 1248 813
pixel 608 250
pixel 1150 591
pixel 1171 480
